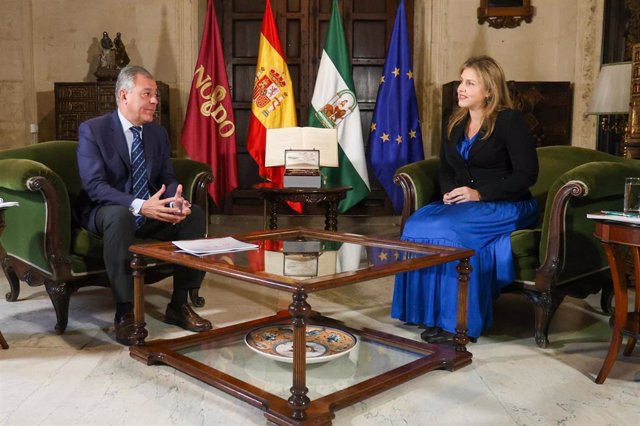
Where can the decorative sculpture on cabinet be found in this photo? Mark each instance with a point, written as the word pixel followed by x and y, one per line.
pixel 112 59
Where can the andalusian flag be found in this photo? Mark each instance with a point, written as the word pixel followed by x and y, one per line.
pixel 273 104
pixel 334 104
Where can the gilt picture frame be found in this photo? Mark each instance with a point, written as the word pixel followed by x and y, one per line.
pixel 505 13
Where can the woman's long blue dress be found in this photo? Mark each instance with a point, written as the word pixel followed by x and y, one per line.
pixel 429 296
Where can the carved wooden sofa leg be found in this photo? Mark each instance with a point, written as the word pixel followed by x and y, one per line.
pixel 14 285
pixel 196 299
pixel 60 293
pixel 545 305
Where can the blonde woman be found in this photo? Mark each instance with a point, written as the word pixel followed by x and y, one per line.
pixel 488 162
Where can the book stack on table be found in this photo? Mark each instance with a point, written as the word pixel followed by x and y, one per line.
pixel 615 216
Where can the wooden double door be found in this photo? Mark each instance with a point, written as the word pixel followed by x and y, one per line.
pixel 302 27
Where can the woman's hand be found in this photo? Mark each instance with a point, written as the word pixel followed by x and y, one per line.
pixel 462 194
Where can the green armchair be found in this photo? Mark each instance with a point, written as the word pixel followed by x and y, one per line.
pixel 41 246
pixel 560 256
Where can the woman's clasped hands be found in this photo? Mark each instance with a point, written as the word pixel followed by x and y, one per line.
pixel 462 194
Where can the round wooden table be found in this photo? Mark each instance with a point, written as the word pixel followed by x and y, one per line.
pixel 274 195
pixel 615 235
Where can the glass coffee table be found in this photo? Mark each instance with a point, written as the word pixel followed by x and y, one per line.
pixel 298 365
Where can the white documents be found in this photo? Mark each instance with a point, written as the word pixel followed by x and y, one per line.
pixel 208 246
pixel 5 204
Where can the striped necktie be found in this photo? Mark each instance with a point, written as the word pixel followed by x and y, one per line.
pixel 139 169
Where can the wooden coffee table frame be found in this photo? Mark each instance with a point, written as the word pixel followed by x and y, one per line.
pixel 298 408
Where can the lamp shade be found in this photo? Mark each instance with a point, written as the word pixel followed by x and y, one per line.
pixel 613 90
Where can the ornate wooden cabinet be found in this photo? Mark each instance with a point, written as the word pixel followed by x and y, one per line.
pixel 77 102
pixel 547 106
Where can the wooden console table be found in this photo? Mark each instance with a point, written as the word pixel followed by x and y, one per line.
pixel 274 195
pixel 613 236
pixel 220 358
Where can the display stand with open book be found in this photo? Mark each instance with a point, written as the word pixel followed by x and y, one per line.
pixel 302 151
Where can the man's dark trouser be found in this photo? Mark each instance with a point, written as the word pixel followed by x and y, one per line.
pixel 118 227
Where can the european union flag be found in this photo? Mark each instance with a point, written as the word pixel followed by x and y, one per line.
pixel 395 138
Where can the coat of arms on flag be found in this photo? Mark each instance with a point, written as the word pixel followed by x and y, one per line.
pixel 337 109
pixel 270 90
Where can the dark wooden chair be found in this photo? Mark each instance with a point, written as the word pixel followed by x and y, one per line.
pixel 42 245
pixel 560 256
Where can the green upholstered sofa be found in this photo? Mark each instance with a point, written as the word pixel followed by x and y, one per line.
pixel 560 256
pixel 41 245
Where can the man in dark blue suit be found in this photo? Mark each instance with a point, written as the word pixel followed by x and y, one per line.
pixel 129 189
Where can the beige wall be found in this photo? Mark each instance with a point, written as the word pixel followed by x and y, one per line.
pixel 17 95
pixel 59 41
pixel 562 43
pixel 44 41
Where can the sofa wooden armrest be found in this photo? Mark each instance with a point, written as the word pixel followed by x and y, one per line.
pixel 42 246
pixel 560 256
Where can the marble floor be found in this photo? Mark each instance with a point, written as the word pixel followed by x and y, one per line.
pixel 85 378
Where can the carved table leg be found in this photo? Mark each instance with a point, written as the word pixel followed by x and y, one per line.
pixel 3 259
pixel 272 206
pixel 461 339
pixel 331 216
pixel 616 265
pixel 3 343
pixel 138 265
pixel 12 278
pixel 299 310
pixel 632 339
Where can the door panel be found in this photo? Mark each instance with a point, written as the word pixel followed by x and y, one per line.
pixel 302 27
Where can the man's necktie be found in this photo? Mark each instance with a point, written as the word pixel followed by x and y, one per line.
pixel 139 169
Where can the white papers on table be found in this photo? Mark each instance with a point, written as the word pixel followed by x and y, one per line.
pixel 5 204
pixel 615 217
pixel 208 246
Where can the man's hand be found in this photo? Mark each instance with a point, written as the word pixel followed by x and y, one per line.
pixel 183 206
pixel 462 194
pixel 156 208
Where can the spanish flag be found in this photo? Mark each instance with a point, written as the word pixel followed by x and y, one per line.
pixel 273 105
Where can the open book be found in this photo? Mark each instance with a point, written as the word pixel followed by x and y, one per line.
pixel 287 138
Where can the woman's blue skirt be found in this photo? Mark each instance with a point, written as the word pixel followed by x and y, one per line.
pixel 430 296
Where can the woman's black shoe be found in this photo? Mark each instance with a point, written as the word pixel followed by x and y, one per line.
pixel 445 337
pixel 430 332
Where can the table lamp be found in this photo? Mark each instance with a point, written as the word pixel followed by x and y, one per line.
pixel 611 96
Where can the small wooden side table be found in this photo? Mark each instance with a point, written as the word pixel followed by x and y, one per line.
pixel 3 342
pixel 275 194
pixel 613 236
